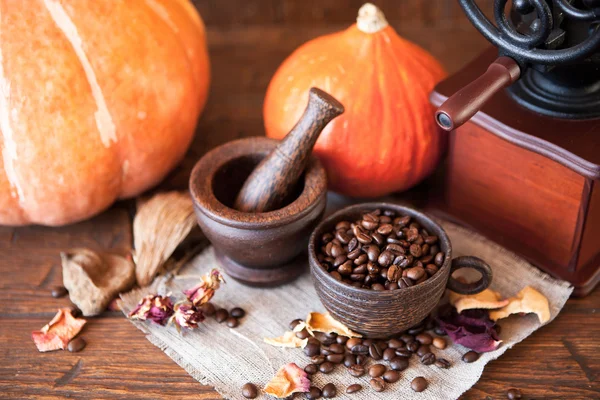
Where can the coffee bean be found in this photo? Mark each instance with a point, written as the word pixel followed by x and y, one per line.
pixel 357 277
pixel 367 342
pixel 75 312
pixel 415 250
pixel 335 358
pixel 360 349
pixel 250 391
pixel 418 384
pixel 364 238
pixel 376 370
pixel 232 322
pixel 427 358
pixel 423 349
pixel 439 259
pixel 405 282
pixel 394 273
pixel 373 253
pixel 352 342
pixel 389 354
pixel 424 338
pixel 349 360
pixel 391 376
pixel 313 393
pixel 342 225
pixel 439 343
pixel 385 229
pixel 329 391
pixel 312 349
pixel 369 221
pixel 357 370
pixel 326 367
pixel 59 291
pixel 311 369
pixel 377 286
pixel 375 352
pixel 345 268
pixel 404 353
pixel 362 259
pixel 415 273
pixel 415 330
pixel 399 363
pixel 438 330
pixel 303 334
pixel 341 339
pixel 442 363
pixel 336 275
pixel 378 384
pixel 470 357
pixel 237 312
pixel 222 314
pixel 318 359
pixel 513 394
pixel 385 258
pixel 208 309
pixel 413 346
pixel 362 359
pixel 343 237
pixel 431 269
pixel 76 345
pixel 395 343
pixel 377 238
pixel 353 388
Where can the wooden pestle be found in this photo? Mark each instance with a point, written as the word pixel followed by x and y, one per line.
pixel 275 176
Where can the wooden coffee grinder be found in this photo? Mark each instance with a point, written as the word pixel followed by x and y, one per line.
pixel 523 165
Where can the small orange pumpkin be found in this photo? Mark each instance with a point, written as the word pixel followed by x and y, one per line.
pixel 387 139
pixel 98 101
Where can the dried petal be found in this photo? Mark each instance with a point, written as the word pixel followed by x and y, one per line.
pixel 153 307
pixel 94 279
pixel 187 316
pixel 58 332
pixel 288 339
pixel 160 225
pixel 289 379
pixel 488 299
pixel 471 328
pixel 526 301
pixel 324 322
pixel 205 290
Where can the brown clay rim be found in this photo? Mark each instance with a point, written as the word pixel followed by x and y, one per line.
pixel 344 213
pixel 201 183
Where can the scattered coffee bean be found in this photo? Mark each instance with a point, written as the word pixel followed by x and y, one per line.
pixel 439 343
pixel 349 360
pixel 428 359
pixel 295 323
pixel 353 388
pixel 221 315
pixel 380 252
pixel 399 363
pixel 415 330
pixel 378 384
pixel 360 349
pixel 336 348
pixel 470 357
pixel 59 291
pixel 350 343
pixel 418 384
pixel 423 349
pixel 357 370
pixel 76 312
pixel 404 353
pixel 326 367
pixel 375 352
pixel 329 391
pixel 442 363
pixel 389 353
pixel 376 370
pixel 250 391
pixel 311 369
pixel 312 349
pixel 320 359
pixel 76 345
pixel 395 343
pixel 208 309
pixel 313 393
pixel 424 338
pixel 413 346
pixel 303 334
pixel 391 376
pixel 361 359
pixel 335 358
pixel 237 312
pixel 513 394
pixel 232 322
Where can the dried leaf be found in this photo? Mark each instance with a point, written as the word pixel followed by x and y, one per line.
pixel 94 279
pixel 488 299
pixel 324 322
pixel 471 328
pixel 160 225
pixel 289 379
pixel 288 339
pixel 526 301
pixel 58 332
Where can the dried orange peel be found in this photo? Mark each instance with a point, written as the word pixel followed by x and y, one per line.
pixel 324 322
pixel 526 301
pixel 288 339
pixel 288 380
pixel 487 299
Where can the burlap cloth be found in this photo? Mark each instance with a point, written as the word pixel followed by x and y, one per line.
pixel 228 358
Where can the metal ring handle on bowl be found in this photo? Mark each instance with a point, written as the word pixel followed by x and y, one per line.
pixel 474 263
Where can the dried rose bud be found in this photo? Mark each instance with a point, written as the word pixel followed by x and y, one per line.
pixel 187 316
pixel 205 290
pixel 153 307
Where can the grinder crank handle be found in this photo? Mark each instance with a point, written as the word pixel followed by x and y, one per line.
pixel 276 175
pixel 465 103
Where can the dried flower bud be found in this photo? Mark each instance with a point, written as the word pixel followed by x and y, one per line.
pixel 187 316
pixel 153 307
pixel 205 290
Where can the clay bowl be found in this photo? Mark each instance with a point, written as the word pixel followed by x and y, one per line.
pixel 260 249
pixel 380 314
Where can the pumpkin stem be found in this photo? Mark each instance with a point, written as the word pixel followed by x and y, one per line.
pixel 370 19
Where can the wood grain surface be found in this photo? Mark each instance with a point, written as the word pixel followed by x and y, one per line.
pixel 248 39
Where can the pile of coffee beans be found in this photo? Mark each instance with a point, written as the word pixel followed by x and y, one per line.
pixel 381 251
pixel 230 318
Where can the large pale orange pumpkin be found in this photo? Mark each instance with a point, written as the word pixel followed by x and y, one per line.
pixel 98 101
pixel 387 139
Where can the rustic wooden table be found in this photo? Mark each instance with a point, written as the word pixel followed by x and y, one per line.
pixel 247 39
